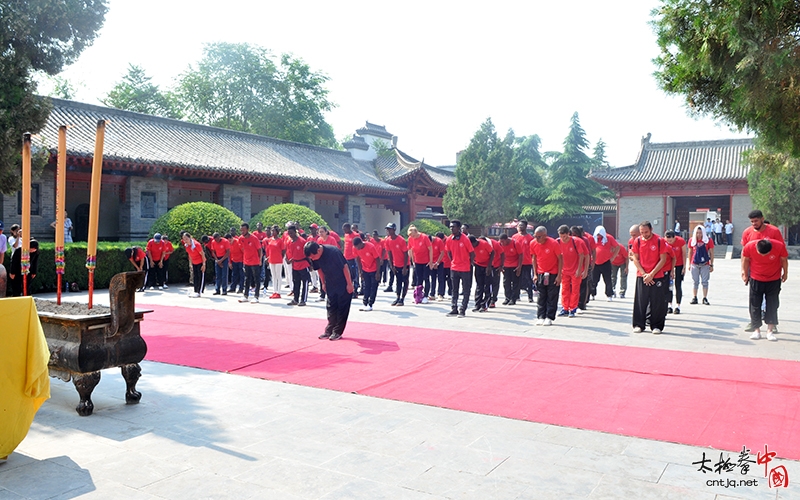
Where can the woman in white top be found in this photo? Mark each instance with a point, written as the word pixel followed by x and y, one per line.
pixel 15 240
pixel 67 227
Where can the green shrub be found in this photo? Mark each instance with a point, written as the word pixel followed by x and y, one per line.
pixel 427 226
pixel 198 218
pixel 281 214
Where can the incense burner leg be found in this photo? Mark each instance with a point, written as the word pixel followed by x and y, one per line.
pixel 131 374
pixel 85 384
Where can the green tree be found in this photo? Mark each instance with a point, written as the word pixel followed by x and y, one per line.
pixel 774 184
pixel 198 218
pixel 284 212
pixel 427 226
pixel 137 93
pixel 486 187
pixel 736 61
pixel 599 156
pixel 530 165
pixel 569 187
pixel 41 35
pixel 240 87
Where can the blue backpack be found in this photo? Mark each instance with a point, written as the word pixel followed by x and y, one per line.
pixel 700 254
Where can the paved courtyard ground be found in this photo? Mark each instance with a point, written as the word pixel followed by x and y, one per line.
pixel 204 434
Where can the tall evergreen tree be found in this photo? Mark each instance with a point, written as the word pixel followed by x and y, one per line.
pixel 487 185
pixel 599 156
pixel 569 187
pixel 530 165
pixel 136 92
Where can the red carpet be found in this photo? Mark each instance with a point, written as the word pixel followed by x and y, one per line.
pixel 692 398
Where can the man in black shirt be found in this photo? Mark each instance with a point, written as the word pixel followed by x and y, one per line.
pixel 336 282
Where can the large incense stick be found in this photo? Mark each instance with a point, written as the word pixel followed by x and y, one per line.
pixel 61 186
pixel 94 206
pixel 26 211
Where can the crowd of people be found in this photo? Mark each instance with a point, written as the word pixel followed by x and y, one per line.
pixel 561 273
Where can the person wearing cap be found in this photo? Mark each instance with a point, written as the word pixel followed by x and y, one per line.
pixel 462 256
pixel 368 257
pixel 397 251
pixel 156 273
pixel 336 281
pixel 3 244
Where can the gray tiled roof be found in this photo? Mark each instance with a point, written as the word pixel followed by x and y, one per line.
pixel 606 207
pixel 137 139
pixel 376 130
pixel 682 162
pixel 401 166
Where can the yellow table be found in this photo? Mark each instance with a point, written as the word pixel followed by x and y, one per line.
pixel 24 380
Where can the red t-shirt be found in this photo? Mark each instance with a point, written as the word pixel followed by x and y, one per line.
pixel 765 267
pixel 295 251
pixel 220 248
pixel 546 255
pixel 167 248
pixel 767 231
pixel 250 246
pixel 670 253
pixel 512 252
pixel 498 251
pixel 275 248
pixel 525 240
pixel 482 253
pixel 348 245
pixel 622 256
pixel 438 248
pixel 692 249
pixel 330 240
pixel 571 252
pixel 369 257
pixel 459 250
pixel 397 247
pixel 236 250
pixel 195 254
pixel 156 249
pixel 677 250
pixel 649 252
pixel 261 235
pixel 419 248
pixel 603 250
pixel 591 245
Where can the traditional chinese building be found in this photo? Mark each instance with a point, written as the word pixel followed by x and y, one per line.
pixel 152 164
pixel 671 180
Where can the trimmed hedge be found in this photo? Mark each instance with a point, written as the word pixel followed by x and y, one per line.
pixel 281 214
pixel 198 218
pixel 110 261
pixel 427 226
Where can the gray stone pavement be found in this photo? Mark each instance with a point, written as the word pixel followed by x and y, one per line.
pixel 203 434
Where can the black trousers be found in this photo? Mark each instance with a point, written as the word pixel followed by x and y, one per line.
pixel 199 277
pixel 760 290
pixel 156 276
pixel 603 270
pixel 301 278
pixel 650 298
pixel 353 265
pixel 338 307
pixel 370 290
pixel 586 286
pixel 422 277
pixel 511 283
pixel 497 274
pixel 483 287
pixel 437 280
pixel 252 275
pixel 525 281
pixel 402 283
pixel 678 287
pixel 461 278
pixel 548 296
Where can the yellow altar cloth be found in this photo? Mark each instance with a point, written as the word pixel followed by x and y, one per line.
pixel 24 379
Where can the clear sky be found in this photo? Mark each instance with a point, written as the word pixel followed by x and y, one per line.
pixel 430 71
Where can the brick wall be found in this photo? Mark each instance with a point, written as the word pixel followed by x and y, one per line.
pixel 145 201
pixel 635 209
pixel 241 195
pixel 304 198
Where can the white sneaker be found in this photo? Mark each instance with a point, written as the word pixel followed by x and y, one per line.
pixel 164 287
pixel 771 337
pixel 637 330
pixel 242 299
pixel 756 335
pixel 539 322
pixel 424 300
pixel 610 299
pixel 366 308
pixel 547 322
pixel 254 300
pixel 196 295
pixel 656 331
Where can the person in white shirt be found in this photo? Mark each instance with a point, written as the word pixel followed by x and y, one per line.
pixel 67 227
pixel 718 232
pixel 677 226
pixel 729 232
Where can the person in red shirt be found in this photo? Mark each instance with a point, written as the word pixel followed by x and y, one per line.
pixel 420 251
pixel 276 252
pixel 166 246
pixel 197 257
pixel 765 265
pixel 759 229
pixel 497 270
pixel 221 250
pixel 678 245
pixel 462 256
pixel 397 251
pixel 574 254
pixel 251 256
pixel 512 268
pixel 548 265
pixel 326 237
pixel 586 277
pixel 649 253
pixel 440 276
pixel 526 271
pixel 156 276
pixel 368 257
pixel 350 255
pixel 138 258
pixel 236 265
pixel 484 255
pixel 295 255
pixel 619 271
pixel 701 260
pixel 259 232
pixel 606 250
